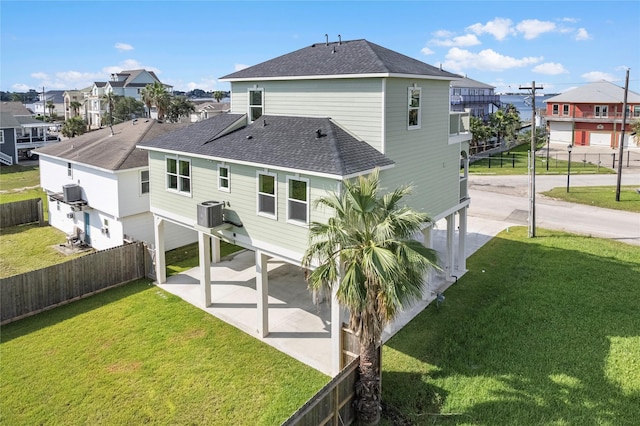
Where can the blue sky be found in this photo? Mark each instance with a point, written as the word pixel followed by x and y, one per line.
pixel 558 44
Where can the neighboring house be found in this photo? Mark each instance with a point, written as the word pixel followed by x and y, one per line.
pixel 80 96
pixel 591 115
pixel 208 109
pixel 20 133
pixel 40 107
pixel 478 98
pixel 98 186
pixel 125 83
pixel 299 126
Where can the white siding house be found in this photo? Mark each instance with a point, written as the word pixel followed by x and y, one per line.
pixel 98 186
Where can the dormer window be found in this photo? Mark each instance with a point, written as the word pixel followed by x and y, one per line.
pixel 415 93
pixel 256 103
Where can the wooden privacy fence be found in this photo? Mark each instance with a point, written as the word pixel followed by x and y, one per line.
pixel 19 212
pixel 333 404
pixel 35 291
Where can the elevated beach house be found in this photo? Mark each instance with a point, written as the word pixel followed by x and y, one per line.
pixel 299 126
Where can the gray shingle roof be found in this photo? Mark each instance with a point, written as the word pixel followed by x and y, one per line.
pixel 600 91
pixel 118 152
pixel 286 142
pixel 14 108
pixel 343 58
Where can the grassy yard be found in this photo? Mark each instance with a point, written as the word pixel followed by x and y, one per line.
pixel 599 196
pixel 515 162
pixel 17 177
pixel 27 247
pixel 540 331
pixel 138 355
pixel 184 258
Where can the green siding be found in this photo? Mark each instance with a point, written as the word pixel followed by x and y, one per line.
pixel 355 104
pixel 423 156
pixel 242 201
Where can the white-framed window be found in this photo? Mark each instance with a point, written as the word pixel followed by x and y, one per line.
pixel 414 102
pixel 556 109
pixel 636 110
pixel 565 109
pixel 601 111
pixel 267 194
pixel 144 181
pixel 179 175
pixel 256 103
pixel 297 200
pixel 223 178
pixel 69 171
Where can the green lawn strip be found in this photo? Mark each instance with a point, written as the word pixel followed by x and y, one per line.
pixel 135 355
pixel 599 196
pixel 186 257
pixel 17 177
pixel 28 247
pixel 539 331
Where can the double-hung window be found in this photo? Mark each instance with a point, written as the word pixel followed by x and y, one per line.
pixel 414 102
pixel 267 194
pixel 179 175
pixel 565 109
pixel 601 111
pixel 636 111
pixel 223 178
pixel 297 200
pixel 556 109
pixel 69 171
pixel 144 181
pixel 256 104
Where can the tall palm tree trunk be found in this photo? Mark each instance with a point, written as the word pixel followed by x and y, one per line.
pixel 368 403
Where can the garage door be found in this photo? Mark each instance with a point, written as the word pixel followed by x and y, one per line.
pixel 600 139
pixel 561 132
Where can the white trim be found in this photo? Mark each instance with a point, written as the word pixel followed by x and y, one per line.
pixel 148 181
pixel 228 178
pixel 177 190
pixel 383 120
pixel 249 105
pixel 306 202
pixel 410 108
pixel 275 194
pixel 340 76
pixel 266 166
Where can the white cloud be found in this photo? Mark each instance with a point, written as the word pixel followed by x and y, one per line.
pixel 206 84
pixel 459 60
pixel 19 87
pixel 442 34
pixel 597 76
pixel 459 41
pixel 571 20
pixel 123 46
pixel 550 68
pixel 238 67
pixel 532 28
pixel 582 34
pixel 40 75
pixel 499 28
pixel 129 64
pixel 426 51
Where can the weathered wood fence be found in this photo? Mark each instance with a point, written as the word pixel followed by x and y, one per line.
pixel 19 212
pixel 35 291
pixel 333 404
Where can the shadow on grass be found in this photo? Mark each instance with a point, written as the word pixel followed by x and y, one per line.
pixel 62 313
pixel 535 333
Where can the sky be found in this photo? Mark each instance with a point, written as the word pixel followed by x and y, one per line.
pixel 559 45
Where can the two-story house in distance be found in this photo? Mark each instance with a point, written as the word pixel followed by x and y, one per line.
pixel 299 126
pixel 591 115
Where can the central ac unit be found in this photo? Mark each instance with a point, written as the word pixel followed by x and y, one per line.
pixel 210 213
pixel 72 192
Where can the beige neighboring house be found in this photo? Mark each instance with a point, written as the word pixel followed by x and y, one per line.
pixel 209 109
pixel 299 126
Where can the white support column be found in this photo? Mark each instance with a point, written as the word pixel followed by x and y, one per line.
pixel 215 250
pixel 204 249
pixel 262 291
pixel 336 331
pixel 428 242
pixel 161 264
pixel 462 240
pixel 449 262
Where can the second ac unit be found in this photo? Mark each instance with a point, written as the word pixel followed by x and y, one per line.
pixel 210 213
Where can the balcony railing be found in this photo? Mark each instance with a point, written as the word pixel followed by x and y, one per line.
pixel 579 115
pixel 459 123
pixel 475 99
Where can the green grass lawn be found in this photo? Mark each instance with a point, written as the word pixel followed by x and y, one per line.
pixel 24 248
pixel 541 331
pixel 16 177
pixel 186 257
pixel 515 162
pixel 138 355
pixel 599 196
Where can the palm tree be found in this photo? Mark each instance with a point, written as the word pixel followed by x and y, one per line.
pixel 368 251
pixel 146 94
pixel 50 106
pixel 156 95
pixel 75 106
pixel 218 95
pixel 110 99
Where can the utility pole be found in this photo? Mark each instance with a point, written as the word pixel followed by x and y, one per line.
pixel 44 104
pixel 532 182
pixel 621 147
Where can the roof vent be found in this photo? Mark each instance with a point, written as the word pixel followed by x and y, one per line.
pixel 249 136
pixel 326 36
pixel 264 123
pixel 339 39
pixel 319 134
pixel 334 50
